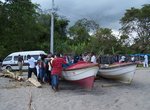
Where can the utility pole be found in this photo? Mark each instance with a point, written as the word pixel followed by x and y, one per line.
pixel 52 29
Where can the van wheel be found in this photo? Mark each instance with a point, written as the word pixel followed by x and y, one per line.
pixel 9 68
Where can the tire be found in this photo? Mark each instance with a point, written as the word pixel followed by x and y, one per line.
pixel 9 68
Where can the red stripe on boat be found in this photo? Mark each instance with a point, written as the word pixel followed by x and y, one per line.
pixel 79 65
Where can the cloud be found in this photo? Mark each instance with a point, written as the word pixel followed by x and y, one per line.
pixel 105 12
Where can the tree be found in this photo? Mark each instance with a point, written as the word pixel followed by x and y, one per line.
pixel 138 21
pixel 125 42
pixel 60 31
pixel 81 30
pixel 18 20
pixel 89 25
pixel 23 27
pixel 104 41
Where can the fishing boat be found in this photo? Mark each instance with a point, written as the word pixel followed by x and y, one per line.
pixel 81 73
pixel 122 72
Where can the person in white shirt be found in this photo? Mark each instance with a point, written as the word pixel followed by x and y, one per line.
pixel 122 60
pixel 132 59
pixel 87 57
pixel 145 63
pixel 32 66
pixel 84 57
pixel 93 58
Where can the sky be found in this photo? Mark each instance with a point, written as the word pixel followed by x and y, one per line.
pixel 107 13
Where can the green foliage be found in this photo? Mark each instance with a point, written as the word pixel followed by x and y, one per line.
pixel 22 27
pixel 17 20
pixel 89 25
pixel 105 40
pixel 78 49
pixel 138 21
pixel 79 34
pixel 81 29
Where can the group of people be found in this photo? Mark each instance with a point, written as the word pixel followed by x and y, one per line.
pixel 145 60
pixel 48 68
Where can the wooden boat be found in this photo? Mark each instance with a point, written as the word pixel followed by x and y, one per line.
pixel 81 73
pixel 122 72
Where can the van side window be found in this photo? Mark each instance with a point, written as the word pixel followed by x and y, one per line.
pixel 8 58
pixel 25 57
pixel 35 57
pixel 15 58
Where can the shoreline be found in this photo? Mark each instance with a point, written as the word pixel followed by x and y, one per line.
pixel 15 95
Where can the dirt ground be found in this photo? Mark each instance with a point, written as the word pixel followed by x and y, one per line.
pixel 16 95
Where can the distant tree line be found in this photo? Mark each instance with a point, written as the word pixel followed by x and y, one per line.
pixel 24 26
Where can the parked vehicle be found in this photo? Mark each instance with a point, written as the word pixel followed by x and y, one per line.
pixel 10 62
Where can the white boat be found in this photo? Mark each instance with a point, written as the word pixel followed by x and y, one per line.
pixel 81 73
pixel 122 72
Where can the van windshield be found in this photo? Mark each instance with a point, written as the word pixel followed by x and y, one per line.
pixel 8 58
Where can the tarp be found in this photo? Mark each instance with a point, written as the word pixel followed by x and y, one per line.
pixel 140 54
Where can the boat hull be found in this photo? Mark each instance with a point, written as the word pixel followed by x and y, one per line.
pixel 87 83
pixel 122 73
pixel 83 76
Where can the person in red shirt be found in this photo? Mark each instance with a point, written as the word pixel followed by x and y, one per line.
pixel 56 71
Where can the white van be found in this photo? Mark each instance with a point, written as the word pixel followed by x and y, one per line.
pixel 10 62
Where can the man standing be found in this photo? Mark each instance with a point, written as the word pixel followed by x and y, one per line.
pixel 20 63
pixel 93 58
pixel 145 61
pixel 132 59
pixel 87 57
pixel 122 60
pixel 56 71
pixel 32 66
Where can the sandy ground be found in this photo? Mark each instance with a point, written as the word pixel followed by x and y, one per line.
pixel 16 95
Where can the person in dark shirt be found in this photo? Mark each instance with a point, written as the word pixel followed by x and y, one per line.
pixel 42 67
pixel 76 59
pixel 20 63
